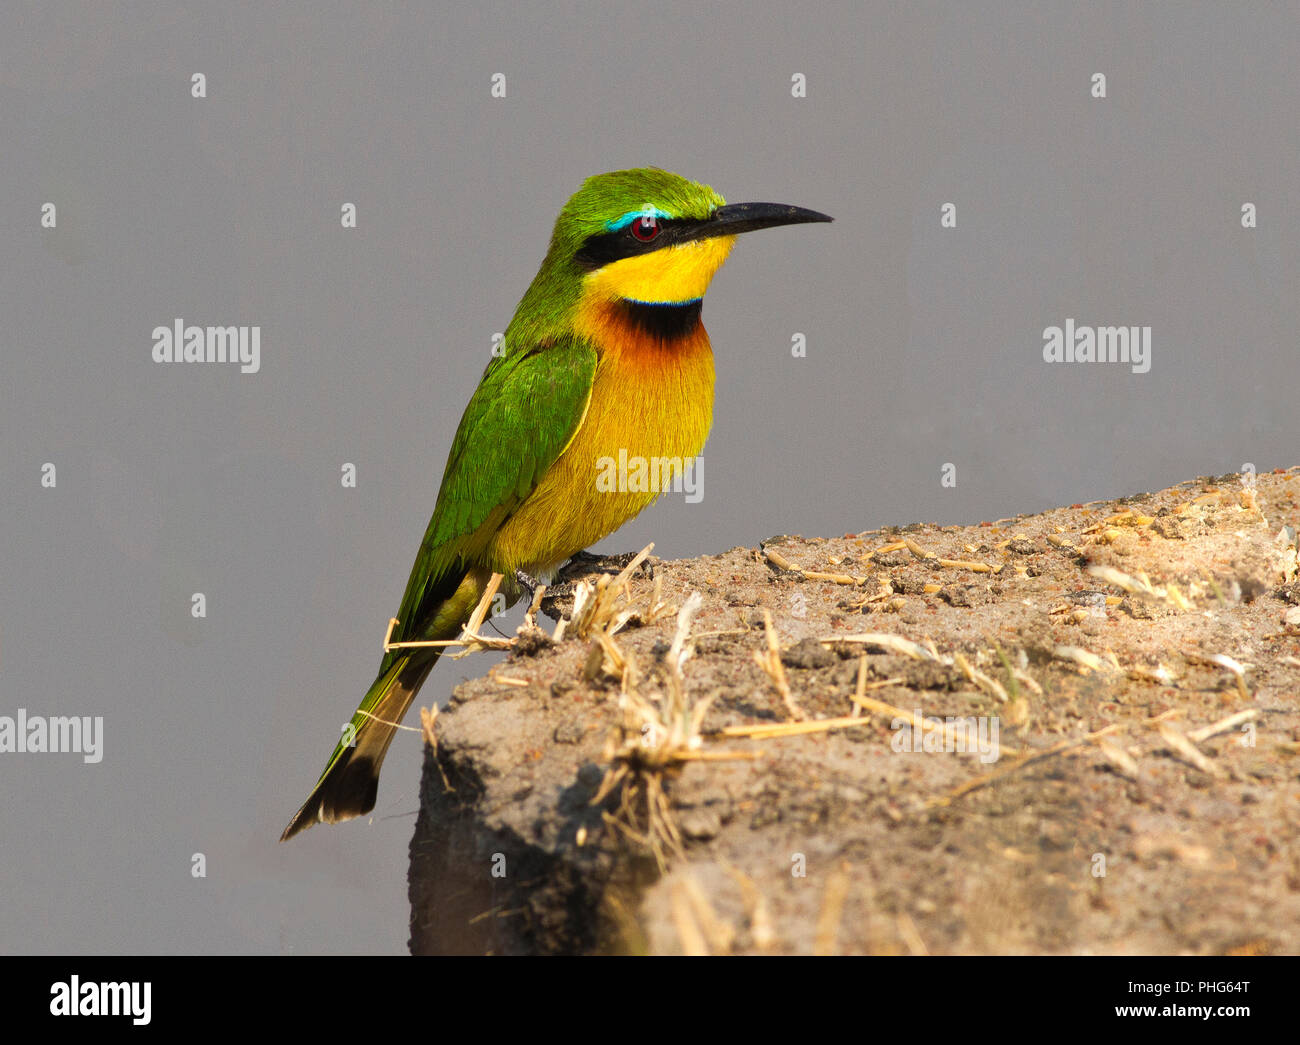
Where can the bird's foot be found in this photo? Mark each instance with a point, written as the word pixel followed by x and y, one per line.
pixel 552 592
pixel 528 582
pixel 586 557
pixel 557 599
pixel 582 563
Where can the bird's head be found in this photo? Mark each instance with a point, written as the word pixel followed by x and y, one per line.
pixel 646 236
pixel 652 236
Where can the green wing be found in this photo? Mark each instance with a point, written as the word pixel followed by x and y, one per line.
pixel 523 414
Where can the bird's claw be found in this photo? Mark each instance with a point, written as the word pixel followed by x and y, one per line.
pixel 528 582
pixel 585 562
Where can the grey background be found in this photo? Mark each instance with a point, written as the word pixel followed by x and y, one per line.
pixel 924 346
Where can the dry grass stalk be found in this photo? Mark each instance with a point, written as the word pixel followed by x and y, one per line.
pixel 533 606
pixel 1140 584
pixel 1186 750
pixel 1288 562
pixel 659 733
pixel 469 636
pixel 897 644
pixel 1160 674
pixel 1020 763
pixel 1222 660
pixel 885 640
pixel 1120 760
pixel 1175 743
pixel 644 817
pixel 689 934
pixel 860 690
pixel 771 730
pixel 699 928
pixel 769 660
pixel 659 607
pixel 988 684
pixel 1086 660
pixel 911 936
pixel 782 563
pixel 917 550
pixel 834 578
pixel 1021 675
pixel 832 911
pixel 1224 725
pixel 951 734
pixel 965 564
pixel 595 606
pixel 761 930
pixel 428 718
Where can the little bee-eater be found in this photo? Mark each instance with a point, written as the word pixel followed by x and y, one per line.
pixel 606 353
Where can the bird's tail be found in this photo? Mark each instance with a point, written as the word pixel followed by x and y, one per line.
pixel 350 782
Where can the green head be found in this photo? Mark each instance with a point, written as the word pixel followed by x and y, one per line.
pixel 643 235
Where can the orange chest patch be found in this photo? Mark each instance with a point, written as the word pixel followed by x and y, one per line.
pixel 651 406
pixel 652 395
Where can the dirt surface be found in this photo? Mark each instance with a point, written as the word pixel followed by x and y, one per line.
pixel 1102 642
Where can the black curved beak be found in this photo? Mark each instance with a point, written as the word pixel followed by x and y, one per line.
pixel 735 218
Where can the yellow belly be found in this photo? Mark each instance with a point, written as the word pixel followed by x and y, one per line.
pixel 651 401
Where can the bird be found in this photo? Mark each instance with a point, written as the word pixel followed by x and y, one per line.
pixel 606 353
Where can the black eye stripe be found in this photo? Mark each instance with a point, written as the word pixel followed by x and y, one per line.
pixel 605 247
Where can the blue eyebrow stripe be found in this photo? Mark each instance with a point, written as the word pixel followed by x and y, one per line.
pixel 633 215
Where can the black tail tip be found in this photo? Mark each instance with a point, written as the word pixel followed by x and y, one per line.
pixel 347 790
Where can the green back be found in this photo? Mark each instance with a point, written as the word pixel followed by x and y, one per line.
pixel 523 414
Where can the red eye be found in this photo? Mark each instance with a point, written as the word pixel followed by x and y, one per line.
pixel 645 229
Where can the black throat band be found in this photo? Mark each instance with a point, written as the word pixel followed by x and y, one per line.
pixel 667 320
